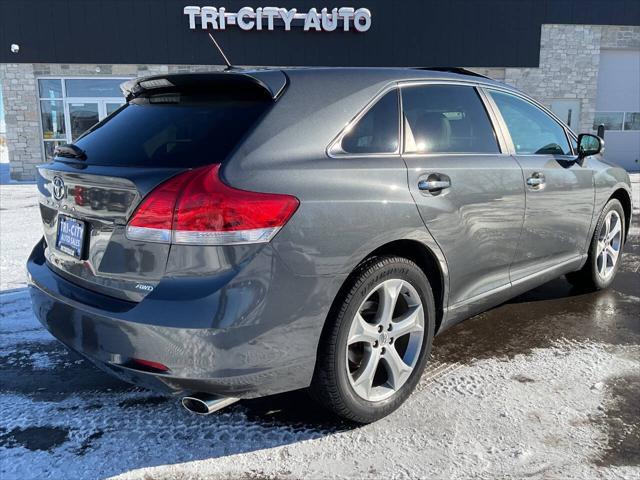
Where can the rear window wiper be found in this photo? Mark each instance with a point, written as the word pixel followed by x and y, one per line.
pixel 70 150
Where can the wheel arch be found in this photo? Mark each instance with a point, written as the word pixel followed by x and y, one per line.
pixel 421 255
pixel 624 198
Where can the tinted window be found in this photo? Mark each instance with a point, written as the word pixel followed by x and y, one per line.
pixel 377 130
pixel 532 130
pixel 446 119
pixel 172 130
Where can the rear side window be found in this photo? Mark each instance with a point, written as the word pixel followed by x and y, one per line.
pixel 446 119
pixel 377 131
pixel 173 130
pixel 532 131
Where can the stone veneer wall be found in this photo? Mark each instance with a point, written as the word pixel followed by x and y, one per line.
pixel 569 64
pixel 21 116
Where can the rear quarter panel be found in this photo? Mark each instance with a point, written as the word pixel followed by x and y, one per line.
pixel 348 206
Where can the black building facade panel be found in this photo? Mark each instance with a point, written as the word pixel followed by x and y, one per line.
pixel 485 33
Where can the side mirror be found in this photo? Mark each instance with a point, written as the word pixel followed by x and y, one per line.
pixel 589 144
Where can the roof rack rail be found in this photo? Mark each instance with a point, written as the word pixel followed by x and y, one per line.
pixel 458 70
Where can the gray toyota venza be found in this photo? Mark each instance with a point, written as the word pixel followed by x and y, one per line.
pixel 236 234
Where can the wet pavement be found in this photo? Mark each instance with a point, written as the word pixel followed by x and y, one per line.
pixel 554 310
pixel 557 311
pixel 547 384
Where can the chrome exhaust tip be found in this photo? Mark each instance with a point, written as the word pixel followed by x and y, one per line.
pixel 205 403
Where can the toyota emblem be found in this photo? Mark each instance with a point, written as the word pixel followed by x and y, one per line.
pixel 59 189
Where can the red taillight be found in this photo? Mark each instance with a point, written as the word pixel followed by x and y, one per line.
pixel 197 208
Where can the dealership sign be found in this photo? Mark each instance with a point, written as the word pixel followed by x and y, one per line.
pixel 270 18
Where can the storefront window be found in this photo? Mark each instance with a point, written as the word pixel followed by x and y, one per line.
pixel 632 121
pixel 93 88
pixel 50 88
pixel 617 120
pixel 82 116
pixel 52 112
pixel 610 120
pixel 69 107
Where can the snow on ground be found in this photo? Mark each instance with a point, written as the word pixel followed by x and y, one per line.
pixel 20 228
pixel 546 386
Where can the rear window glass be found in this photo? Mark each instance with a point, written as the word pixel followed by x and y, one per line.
pixel 172 130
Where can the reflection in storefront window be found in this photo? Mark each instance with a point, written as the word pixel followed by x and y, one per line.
pixel 82 116
pixel 50 88
pixel 52 112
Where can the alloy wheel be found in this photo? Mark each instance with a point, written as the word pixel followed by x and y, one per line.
pixel 385 340
pixel 609 245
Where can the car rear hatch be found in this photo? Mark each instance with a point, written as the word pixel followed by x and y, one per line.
pixel 90 190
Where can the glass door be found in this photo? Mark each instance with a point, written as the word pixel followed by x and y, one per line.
pixel 84 113
pixel 82 116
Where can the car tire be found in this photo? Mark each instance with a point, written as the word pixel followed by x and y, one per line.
pixel 600 269
pixel 341 378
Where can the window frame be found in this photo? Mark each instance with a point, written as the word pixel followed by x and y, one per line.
pixel 505 143
pixel 570 136
pixel 334 150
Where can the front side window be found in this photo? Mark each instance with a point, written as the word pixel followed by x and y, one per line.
pixel 446 119
pixel 377 131
pixel 532 131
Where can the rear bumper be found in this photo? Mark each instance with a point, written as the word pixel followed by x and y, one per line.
pixel 244 337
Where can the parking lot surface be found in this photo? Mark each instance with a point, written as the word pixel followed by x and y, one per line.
pixel 544 386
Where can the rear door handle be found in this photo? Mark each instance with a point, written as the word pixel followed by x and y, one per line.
pixel 433 185
pixel 536 180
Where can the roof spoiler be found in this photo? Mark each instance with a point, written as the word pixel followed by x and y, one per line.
pixel 458 70
pixel 272 82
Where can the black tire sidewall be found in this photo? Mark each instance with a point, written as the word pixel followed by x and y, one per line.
pixel 598 282
pixel 393 268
